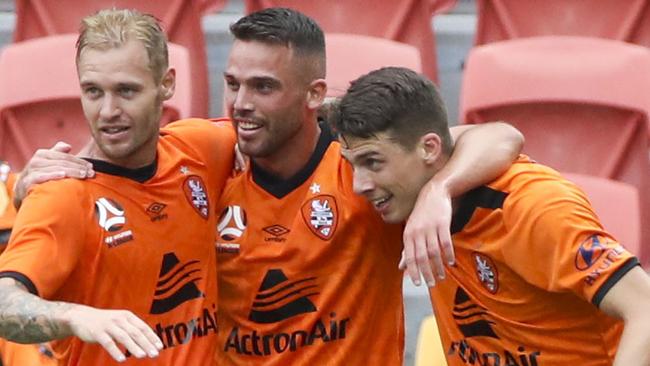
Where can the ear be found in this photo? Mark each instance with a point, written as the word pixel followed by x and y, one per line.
pixel 430 146
pixel 316 93
pixel 168 84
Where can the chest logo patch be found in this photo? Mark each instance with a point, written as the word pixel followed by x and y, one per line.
pixel 197 195
pixel 486 272
pixel 321 215
pixel 109 214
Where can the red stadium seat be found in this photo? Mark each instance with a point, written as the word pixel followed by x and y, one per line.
pixel 582 103
pixel 500 20
pixel 181 20
pixel 617 206
pixel 349 56
pixel 406 21
pixel 40 96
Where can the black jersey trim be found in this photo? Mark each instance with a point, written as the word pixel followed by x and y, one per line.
pixel 484 197
pixel 22 279
pixel 139 175
pixel 613 280
pixel 279 187
pixel 4 236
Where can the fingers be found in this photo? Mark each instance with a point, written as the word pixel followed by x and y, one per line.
pixel 411 267
pixel 422 255
pixel 106 341
pixel 447 246
pixel 146 337
pixel 62 147
pixel 433 252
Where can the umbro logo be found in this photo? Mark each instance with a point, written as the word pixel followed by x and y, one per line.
pixel 176 284
pixel 279 298
pixel 277 232
pixel 470 317
pixel 155 211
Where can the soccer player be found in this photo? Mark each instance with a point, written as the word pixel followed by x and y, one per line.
pixel 537 280
pixel 139 236
pixel 308 273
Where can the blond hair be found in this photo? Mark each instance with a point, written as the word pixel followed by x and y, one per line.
pixel 112 28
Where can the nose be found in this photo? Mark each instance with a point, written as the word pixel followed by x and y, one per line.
pixel 362 182
pixel 241 100
pixel 109 108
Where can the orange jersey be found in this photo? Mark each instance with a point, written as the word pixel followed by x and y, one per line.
pixel 533 264
pixel 140 240
pixel 307 270
pixel 14 354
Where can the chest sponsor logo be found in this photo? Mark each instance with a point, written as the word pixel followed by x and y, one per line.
pixel 279 299
pixel 474 323
pixel 486 272
pixel 321 215
pixel 177 284
pixel 197 195
pixel 277 233
pixel 111 217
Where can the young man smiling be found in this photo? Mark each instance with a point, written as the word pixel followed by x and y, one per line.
pixel 537 280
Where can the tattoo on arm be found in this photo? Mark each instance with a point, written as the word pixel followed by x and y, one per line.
pixel 26 318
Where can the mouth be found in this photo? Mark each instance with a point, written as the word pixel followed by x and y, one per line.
pixel 382 203
pixel 114 132
pixel 248 125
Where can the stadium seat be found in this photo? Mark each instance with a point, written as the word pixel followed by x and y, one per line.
pixel 406 21
pixel 582 103
pixel 349 56
pixel 627 21
pixel 429 351
pixel 40 96
pixel 617 207
pixel 180 18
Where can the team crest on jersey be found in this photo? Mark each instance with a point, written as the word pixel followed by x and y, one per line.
pixel 321 215
pixel 197 195
pixel 486 272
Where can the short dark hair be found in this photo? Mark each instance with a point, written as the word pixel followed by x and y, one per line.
pixel 395 100
pixel 286 27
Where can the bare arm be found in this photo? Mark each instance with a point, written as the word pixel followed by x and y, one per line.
pixel 629 299
pixel 26 318
pixel 481 154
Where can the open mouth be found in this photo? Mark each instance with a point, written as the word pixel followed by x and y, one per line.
pixel 248 125
pixel 114 130
pixel 381 203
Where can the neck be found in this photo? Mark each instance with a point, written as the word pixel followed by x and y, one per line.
pixel 294 154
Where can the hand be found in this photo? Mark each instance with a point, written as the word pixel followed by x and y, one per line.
pixel 45 165
pixel 240 160
pixel 107 327
pixel 427 236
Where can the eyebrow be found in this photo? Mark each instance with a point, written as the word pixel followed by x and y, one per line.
pixel 365 155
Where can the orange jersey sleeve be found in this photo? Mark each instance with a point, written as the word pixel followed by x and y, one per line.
pixel 46 243
pixel 563 246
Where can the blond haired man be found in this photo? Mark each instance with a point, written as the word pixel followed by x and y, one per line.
pixel 135 237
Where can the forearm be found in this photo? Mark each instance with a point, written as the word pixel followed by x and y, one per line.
pixel 481 154
pixel 26 318
pixel 634 347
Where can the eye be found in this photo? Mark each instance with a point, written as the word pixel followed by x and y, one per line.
pixel 232 84
pixel 264 87
pixel 373 164
pixel 92 92
pixel 126 91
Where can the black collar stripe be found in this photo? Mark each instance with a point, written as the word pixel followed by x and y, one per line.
pixel 279 187
pixel 484 197
pixel 139 175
